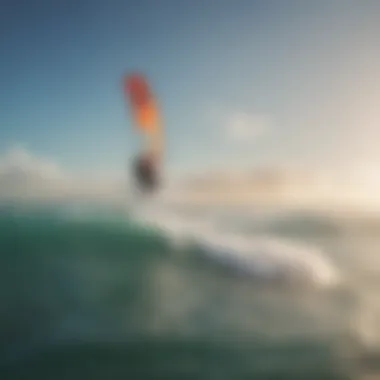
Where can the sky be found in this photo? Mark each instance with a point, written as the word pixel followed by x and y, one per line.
pixel 242 84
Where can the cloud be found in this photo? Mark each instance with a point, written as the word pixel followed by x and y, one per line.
pixel 265 185
pixel 243 127
pixel 240 126
pixel 19 162
pixel 24 175
pixel 281 187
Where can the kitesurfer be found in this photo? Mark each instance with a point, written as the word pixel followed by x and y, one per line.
pixel 145 112
pixel 145 172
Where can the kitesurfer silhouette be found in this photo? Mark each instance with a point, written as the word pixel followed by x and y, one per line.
pixel 145 172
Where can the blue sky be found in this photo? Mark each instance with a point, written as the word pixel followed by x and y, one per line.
pixel 311 69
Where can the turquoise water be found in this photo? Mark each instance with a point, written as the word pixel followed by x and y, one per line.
pixel 91 293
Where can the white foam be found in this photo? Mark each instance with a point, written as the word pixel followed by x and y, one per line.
pixel 265 258
pixel 272 259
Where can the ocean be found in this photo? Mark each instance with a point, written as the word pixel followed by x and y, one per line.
pixel 91 291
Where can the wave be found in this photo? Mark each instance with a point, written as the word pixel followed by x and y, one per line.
pixel 91 275
pixel 262 257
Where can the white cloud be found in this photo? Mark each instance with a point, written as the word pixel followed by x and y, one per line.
pixel 280 187
pixel 240 126
pixel 243 127
pixel 19 162
pixel 265 185
pixel 24 175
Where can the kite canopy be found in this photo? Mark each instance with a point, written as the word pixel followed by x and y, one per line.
pixel 143 103
pixel 145 113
